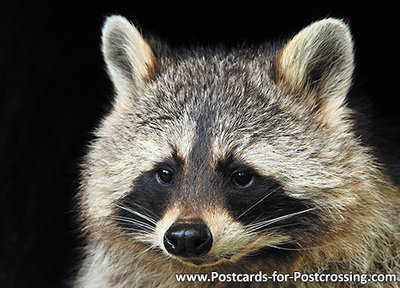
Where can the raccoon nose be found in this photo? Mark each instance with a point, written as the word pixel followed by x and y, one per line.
pixel 188 239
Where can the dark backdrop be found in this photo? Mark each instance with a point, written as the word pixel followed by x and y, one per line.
pixel 53 89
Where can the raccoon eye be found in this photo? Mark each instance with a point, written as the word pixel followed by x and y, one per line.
pixel 242 179
pixel 164 176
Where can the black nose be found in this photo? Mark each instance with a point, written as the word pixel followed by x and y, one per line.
pixel 188 239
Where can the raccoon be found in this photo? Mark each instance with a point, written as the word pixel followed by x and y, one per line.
pixel 235 161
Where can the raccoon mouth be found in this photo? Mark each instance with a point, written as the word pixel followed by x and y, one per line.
pixel 205 261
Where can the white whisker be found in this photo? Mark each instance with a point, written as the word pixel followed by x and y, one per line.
pixel 144 208
pixel 255 204
pixel 133 221
pixel 134 212
pixel 263 224
pixel 301 249
pixel 144 251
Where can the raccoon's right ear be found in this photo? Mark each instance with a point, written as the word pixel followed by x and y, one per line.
pixel 129 58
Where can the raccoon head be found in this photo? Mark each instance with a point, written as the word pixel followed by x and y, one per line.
pixel 218 155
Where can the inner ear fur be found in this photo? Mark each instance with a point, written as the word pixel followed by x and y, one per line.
pixel 318 64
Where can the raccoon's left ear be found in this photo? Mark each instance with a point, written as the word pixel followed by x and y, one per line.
pixel 318 63
pixel 129 58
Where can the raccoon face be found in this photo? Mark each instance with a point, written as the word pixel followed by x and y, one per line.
pixel 212 156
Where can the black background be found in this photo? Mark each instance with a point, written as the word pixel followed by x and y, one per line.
pixel 53 90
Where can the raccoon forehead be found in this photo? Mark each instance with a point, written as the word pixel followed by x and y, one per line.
pixel 232 125
pixel 227 104
pixel 214 134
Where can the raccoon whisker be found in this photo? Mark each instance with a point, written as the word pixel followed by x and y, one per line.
pixel 283 217
pixel 252 231
pixel 151 247
pixel 301 249
pixel 149 211
pixel 129 219
pixel 255 204
pixel 138 230
pixel 144 208
pixel 255 221
pixel 141 228
pixel 146 217
pixel 284 225
pixel 133 221
pixel 266 223
pixel 137 235
pixel 141 237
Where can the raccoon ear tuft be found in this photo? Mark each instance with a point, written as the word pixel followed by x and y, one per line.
pixel 319 62
pixel 129 58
